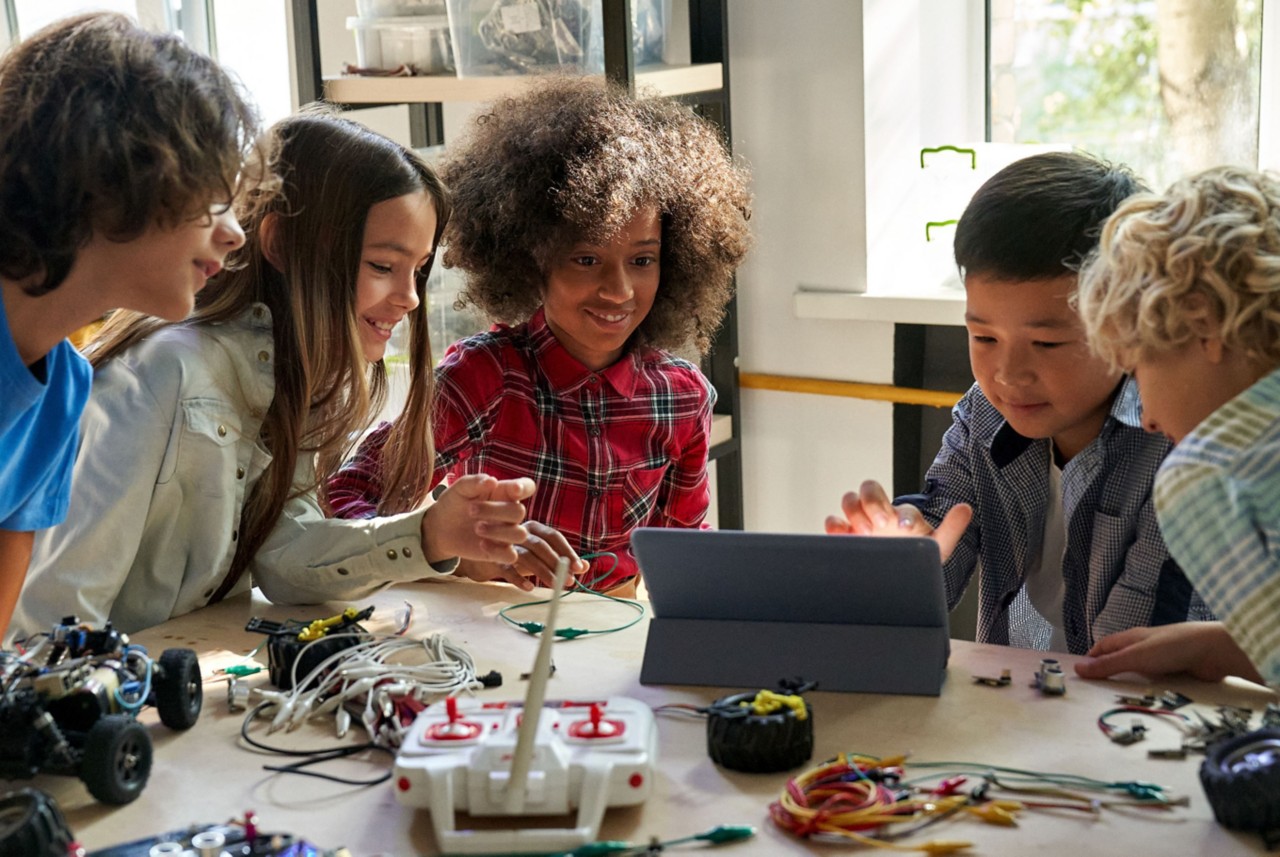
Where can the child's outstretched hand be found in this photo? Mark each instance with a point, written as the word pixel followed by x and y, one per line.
pixel 535 561
pixel 1204 650
pixel 479 518
pixel 869 513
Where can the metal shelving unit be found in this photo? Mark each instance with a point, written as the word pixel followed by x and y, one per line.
pixel 703 84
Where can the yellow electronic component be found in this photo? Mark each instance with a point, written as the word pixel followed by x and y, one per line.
pixel 767 702
pixel 320 627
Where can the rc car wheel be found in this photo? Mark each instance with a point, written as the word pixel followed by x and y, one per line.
pixel 117 759
pixel 179 693
pixel 31 825
pixel 1241 778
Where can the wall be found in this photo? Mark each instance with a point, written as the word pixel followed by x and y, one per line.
pixel 796 85
pixel 830 100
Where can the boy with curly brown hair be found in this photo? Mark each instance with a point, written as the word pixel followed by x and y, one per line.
pixel 120 151
pixel 598 231
pixel 1185 293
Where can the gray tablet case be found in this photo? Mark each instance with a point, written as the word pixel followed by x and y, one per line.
pixel 746 610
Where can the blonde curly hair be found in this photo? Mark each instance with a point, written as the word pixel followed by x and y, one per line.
pixel 572 159
pixel 1204 256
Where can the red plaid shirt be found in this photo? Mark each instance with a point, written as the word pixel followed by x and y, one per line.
pixel 610 451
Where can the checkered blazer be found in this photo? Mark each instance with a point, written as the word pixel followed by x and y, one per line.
pixel 1117 571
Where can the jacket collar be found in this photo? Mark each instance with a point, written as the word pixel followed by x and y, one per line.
pixel 1126 409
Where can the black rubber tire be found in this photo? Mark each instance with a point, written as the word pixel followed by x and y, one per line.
pixel 31 825
pixel 117 759
pixel 1241 779
pixel 179 693
pixel 757 743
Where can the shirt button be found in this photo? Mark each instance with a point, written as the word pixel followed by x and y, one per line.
pixel 593 492
pixel 239 472
pixel 264 356
pixel 594 431
pixel 593 380
pixel 391 554
pixel 343 572
pixel 222 431
pixel 407 552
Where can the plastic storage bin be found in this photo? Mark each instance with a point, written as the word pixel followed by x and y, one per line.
pixel 421 42
pixel 398 8
pixel 493 37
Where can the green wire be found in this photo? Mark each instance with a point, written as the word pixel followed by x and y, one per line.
pixel 715 836
pixel 535 628
pixel 1136 788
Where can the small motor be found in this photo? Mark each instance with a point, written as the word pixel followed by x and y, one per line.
pixel 760 733
pixel 296 648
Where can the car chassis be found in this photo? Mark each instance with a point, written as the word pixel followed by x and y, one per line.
pixel 69 703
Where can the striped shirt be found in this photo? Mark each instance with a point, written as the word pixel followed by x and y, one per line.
pixel 610 451
pixel 1117 573
pixel 1218 500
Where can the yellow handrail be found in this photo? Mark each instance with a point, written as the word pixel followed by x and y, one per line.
pixel 849 389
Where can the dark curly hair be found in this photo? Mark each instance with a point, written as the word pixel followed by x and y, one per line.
pixel 572 160
pixel 107 127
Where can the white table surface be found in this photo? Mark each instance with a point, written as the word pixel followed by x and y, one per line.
pixel 205 775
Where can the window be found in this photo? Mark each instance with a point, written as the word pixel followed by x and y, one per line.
pixel 249 37
pixel 1168 88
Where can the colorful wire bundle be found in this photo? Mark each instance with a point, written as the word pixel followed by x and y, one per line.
pixel 858 798
pixel 868 800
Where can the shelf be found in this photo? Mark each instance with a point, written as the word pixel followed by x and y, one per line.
pixel 721 429
pixel 664 80
pixel 940 307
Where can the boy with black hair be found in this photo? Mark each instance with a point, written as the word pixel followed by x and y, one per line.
pixel 1044 478
pixel 120 151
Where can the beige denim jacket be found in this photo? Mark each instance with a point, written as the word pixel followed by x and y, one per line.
pixel 169 451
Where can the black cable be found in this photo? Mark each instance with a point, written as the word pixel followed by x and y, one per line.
pixel 313 756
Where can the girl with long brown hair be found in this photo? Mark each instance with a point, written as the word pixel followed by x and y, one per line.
pixel 207 443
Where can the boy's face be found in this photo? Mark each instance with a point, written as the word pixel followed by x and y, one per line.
pixel 399 236
pixel 1028 354
pixel 1181 387
pixel 596 295
pixel 160 271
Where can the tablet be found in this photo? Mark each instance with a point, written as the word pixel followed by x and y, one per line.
pixel 751 610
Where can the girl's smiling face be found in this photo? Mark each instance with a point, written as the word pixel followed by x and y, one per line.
pixel 596 295
pixel 399 238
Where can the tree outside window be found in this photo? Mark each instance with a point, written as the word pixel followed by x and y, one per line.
pixel 1169 87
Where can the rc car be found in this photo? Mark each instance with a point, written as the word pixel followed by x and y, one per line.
pixel 69 702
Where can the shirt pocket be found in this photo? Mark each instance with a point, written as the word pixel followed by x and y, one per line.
pixel 638 499
pixel 204 459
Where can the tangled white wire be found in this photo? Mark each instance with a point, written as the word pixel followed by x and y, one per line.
pixel 377 678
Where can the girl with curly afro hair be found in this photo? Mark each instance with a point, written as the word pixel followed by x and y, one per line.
pixel 599 231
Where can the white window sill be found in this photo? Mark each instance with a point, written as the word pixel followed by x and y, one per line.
pixel 939 306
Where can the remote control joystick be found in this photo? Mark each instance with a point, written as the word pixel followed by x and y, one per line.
pixel 454 728
pixel 596 727
pixel 527 758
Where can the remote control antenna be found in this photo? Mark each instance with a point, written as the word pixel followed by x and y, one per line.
pixel 534 697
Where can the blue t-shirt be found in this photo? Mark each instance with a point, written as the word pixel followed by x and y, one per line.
pixel 39 431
